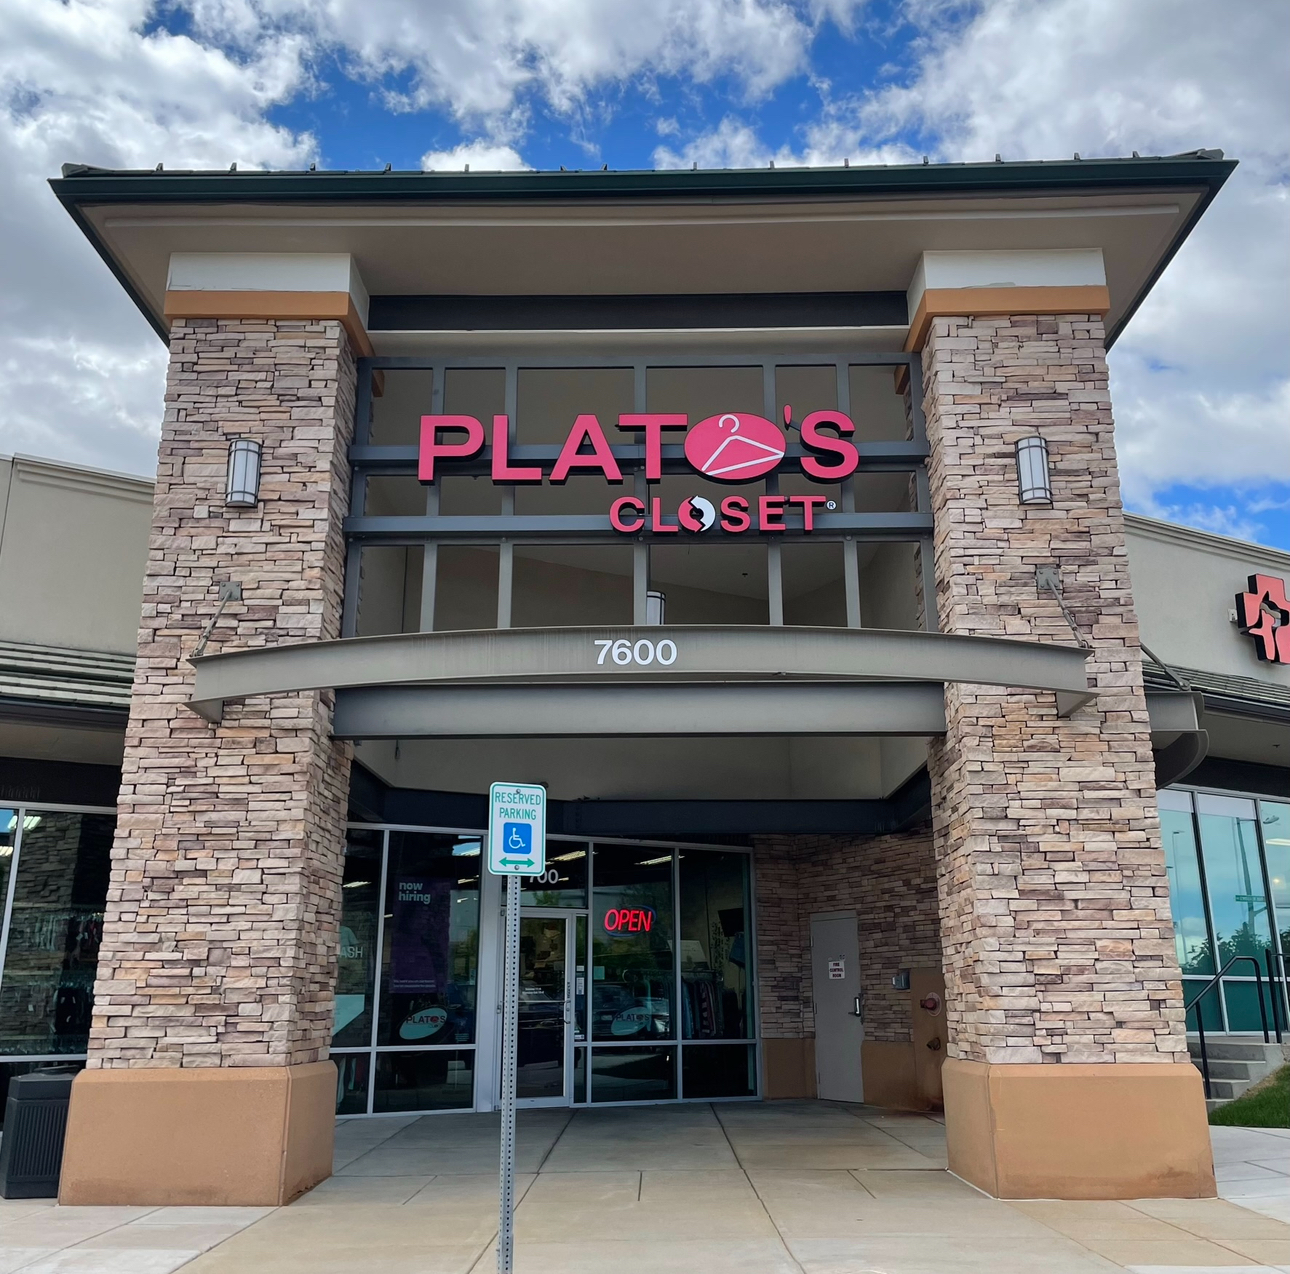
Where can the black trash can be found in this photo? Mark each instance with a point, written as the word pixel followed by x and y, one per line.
pixel 35 1123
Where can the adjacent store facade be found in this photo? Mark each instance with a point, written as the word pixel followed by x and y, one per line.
pixel 771 520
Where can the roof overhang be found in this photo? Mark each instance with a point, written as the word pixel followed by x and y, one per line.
pixel 542 234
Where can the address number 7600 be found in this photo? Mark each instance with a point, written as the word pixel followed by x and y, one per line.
pixel 642 652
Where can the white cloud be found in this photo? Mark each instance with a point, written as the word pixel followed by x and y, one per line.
pixel 477 59
pixel 736 144
pixel 94 81
pixel 80 371
pixel 481 156
pixel 1200 375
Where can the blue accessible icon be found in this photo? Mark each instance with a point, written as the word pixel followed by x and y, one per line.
pixel 518 840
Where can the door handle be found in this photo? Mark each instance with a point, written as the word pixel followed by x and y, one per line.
pixel 856 1011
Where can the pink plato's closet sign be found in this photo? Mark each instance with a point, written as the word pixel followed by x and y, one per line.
pixel 732 447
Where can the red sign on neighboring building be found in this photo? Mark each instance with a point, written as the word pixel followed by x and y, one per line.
pixel 1264 614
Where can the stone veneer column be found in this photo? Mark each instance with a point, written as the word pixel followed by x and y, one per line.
pixel 208 1080
pixel 1068 1073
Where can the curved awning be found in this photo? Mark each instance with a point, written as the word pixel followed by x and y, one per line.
pixel 658 680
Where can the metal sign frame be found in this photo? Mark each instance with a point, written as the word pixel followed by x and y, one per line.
pixel 846 525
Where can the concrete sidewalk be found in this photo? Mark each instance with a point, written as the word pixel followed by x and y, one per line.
pixel 759 1188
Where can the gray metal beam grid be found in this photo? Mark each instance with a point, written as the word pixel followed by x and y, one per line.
pixel 848 526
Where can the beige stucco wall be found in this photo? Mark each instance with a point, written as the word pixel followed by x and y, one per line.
pixel 1184 586
pixel 73 543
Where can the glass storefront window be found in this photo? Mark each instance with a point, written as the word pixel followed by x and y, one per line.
pixel 433 1079
pixel 1275 820
pixel 565 883
pixel 352 1072
pixel 1234 876
pixel 430 960
pixel 718 1070
pixel 356 960
pixel 714 946
pixel 633 1074
pixel 1186 895
pixel 55 927
pixel 633 975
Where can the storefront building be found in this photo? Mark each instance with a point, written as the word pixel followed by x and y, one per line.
pixel 771 520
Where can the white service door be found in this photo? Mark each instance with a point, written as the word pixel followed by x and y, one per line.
pixel 835 977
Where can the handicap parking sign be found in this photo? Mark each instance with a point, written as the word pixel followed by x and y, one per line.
pixel 517 829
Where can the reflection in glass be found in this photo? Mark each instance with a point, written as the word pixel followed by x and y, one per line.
pixel 1186 897
pixel 632 957
pixel 579 1076
pixel 1275 818
pixel 540 1037
pixel 356 959
pixel 352 1071
pixel 430 960
pixel 438 1079
pixel 714 946
pixel 54 932
pixel 633 1074
pixel 718 1070
pixel 568 860
pixel 1234 876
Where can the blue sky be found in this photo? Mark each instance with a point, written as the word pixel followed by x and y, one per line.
pixel 1200 380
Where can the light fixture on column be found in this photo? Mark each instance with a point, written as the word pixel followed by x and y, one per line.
pixel 242 485
pixel 655 605
pixel 1032 471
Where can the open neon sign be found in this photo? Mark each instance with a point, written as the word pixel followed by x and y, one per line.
pixel 629 919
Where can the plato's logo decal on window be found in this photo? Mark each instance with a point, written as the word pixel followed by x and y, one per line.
pixel 424 1023
pixel 734 447
pixel 1263 612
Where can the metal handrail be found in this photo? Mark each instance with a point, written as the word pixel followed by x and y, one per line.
pixel 1216 981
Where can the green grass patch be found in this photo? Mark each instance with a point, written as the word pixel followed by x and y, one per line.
pixel 1266 1105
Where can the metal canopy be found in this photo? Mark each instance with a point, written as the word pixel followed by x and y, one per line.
pixel 633 710
pixel 573 659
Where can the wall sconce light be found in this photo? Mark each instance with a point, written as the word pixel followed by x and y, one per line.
pixel 242 486
pixel 1033 481
pixel 655 605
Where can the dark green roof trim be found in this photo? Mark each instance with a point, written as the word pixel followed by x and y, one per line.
pixel 82 185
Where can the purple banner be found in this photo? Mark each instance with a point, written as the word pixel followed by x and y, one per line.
pixel 419 953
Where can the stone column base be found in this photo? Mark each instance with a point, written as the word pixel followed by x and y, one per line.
pixel 1079 1131
pixel 250 1136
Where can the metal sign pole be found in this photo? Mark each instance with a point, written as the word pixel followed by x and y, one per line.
pixel 516 848
pixel 510 1024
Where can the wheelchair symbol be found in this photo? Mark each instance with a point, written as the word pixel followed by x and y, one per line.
pixel 517 839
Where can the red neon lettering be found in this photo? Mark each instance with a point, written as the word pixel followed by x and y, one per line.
pixel 617 509
pixel 770 507
pixel 432 448
pixel 653 424
pixel 502 468
pixel 586 429
pixel 808 503
pixel 629 919
pixel 734 514
pixel 657 525
pixel 827 444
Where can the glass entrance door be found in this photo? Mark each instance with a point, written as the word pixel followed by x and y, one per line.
pixel 545 1011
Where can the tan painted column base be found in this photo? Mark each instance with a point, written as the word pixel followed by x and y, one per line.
pixel 250 1136
pixel 1079 1131
pixel 788 1068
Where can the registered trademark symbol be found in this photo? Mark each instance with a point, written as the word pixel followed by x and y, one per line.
pixel 831 505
